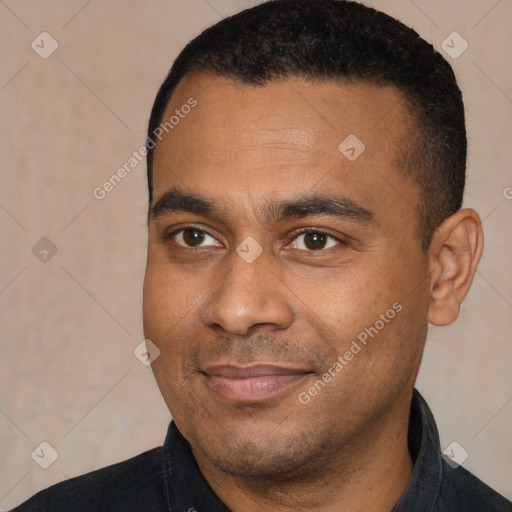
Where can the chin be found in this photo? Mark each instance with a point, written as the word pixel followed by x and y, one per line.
pixel 249 455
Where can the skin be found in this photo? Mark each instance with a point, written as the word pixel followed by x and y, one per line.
pixel 303 301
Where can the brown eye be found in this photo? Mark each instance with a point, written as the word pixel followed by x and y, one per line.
pixel 194 237
pixel 315 241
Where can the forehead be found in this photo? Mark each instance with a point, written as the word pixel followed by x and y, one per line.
pixel 287 135
pixel 286 110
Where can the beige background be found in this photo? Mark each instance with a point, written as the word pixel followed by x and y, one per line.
pixel 69 326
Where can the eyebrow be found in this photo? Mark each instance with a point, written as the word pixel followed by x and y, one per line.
pixel 176 201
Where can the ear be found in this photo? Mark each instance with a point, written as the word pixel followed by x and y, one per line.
pixel 454 253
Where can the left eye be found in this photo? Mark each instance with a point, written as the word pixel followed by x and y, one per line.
pixel 315 241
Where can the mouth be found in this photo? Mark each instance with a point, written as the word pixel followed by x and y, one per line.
pixel 254 383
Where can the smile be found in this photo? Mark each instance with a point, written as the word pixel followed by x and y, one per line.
pixel 253 383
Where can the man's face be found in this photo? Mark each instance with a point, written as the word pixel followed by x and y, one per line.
pixel 249 341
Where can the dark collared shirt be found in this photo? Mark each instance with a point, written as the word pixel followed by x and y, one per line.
pixel 168 479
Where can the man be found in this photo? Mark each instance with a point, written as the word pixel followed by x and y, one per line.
pixel 306 167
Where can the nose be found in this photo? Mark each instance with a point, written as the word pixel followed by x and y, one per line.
pixel 249 295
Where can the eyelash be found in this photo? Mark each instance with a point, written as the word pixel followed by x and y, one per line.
pixel 320 232
pixel 169 235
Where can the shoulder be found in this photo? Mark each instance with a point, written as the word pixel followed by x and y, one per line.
pixel 134 484
pixel 464 490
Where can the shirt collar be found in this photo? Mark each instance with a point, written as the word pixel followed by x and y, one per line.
pixel 425 484
pixel 185 487
pixel 187 490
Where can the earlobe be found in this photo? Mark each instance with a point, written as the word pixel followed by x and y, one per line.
pixel 454 253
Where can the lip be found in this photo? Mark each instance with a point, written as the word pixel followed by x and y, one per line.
pixel 253 383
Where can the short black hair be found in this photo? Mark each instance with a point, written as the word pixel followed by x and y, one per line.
pixel 340 40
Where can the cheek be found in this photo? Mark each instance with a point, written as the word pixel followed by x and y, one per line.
pixel 347 298
pixel 376 300
pixel 166 302
pixel 165 313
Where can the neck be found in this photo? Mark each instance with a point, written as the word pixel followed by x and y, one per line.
pixel 369 473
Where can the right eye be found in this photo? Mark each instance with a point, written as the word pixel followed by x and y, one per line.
pixel 192 237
